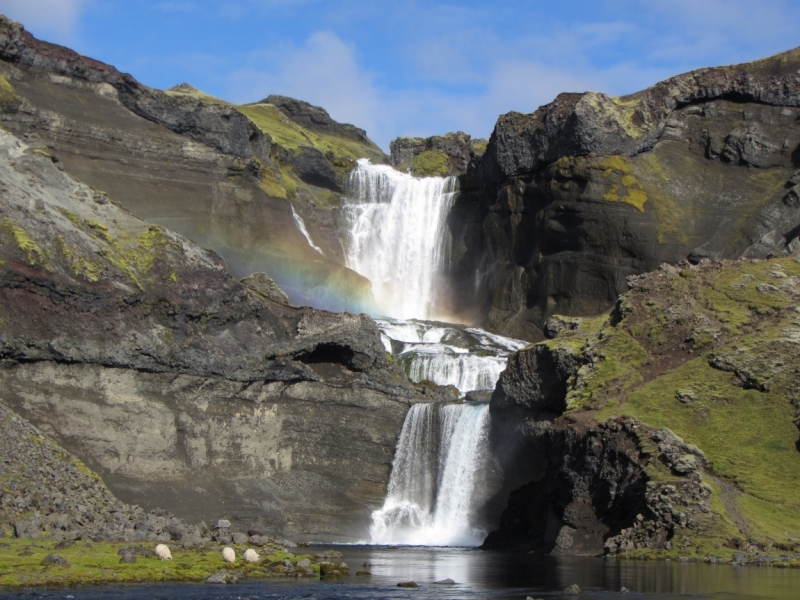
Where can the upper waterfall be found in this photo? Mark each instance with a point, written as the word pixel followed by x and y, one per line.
pixel 399 238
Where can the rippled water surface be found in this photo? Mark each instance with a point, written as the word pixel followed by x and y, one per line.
pixel 478 574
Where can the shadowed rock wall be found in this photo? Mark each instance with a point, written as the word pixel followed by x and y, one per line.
pixel 570 200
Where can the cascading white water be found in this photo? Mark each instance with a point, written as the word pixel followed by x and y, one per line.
pixel 301 225
pixel 399 238
pixel 438 462
pixel 464 357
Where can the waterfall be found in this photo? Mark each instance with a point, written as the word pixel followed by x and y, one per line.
pixel 399 238
pixel 435 473
pixel 301 225
pixel 464 357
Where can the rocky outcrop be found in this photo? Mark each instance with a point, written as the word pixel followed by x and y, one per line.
pixel 218 126
pixel 626 433
pixel 314 118
pixel 440 155
pixel 312 167
pixel 203 169
pixel 263 285
pixel 535 380
pixel 139 353
pixel 569 201
pixel 596 495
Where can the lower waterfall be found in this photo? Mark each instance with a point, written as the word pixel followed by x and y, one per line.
pixel 437 465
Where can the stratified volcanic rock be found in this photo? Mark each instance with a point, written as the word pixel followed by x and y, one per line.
pixel 138 352
pixel 201 168
pixel 570 200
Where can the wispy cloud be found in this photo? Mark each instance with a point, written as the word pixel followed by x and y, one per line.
pixel 57 19
pixel 414 68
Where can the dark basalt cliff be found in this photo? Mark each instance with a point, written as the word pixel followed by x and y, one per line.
pixel 668 428
pixel 439 155
pixel 138 352
pixel 203 169
pixel 570 200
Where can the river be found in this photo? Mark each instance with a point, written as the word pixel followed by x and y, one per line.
pixel 478 574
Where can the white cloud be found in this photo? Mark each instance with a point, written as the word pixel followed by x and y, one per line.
pixel 324 72
pixel 46 17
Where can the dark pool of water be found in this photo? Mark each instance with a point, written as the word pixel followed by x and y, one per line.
pixel 478 575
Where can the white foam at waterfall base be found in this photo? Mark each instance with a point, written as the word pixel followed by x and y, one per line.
pixel 398 237
pixel 437 466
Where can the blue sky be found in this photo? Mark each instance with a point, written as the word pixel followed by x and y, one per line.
pixel 408 67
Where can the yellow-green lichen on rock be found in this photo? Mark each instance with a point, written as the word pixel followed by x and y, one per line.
pixel 430 163
pixel 34 254
pixel 629 189
pixel 8 97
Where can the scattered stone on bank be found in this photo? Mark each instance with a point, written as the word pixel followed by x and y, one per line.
pixel 407 584
pixel 332 569
pixel 135 551
pixel 624 590
pixel 572 590
pixel 54 560
pixel 363 574
pixel 223 577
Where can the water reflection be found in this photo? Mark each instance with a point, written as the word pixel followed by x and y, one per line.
pixel 481 575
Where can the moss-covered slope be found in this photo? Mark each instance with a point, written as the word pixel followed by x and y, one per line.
pixel 293 132
pixel 710 353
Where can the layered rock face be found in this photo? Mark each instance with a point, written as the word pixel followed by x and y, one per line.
pixel 200 168
pixel 567 202
pixel 138 352
pixel 669 428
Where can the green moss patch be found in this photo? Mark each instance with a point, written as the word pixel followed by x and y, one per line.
pixel 292 136
pixel 94 563
pixel 430 163
pixel 33 252
pixel 8 96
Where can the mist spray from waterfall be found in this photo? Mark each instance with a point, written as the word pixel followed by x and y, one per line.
pixel 435 474
pixel 399 238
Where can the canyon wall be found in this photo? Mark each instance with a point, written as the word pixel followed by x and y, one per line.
pixel 570 200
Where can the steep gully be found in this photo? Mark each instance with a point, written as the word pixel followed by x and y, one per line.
pixel 398 238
